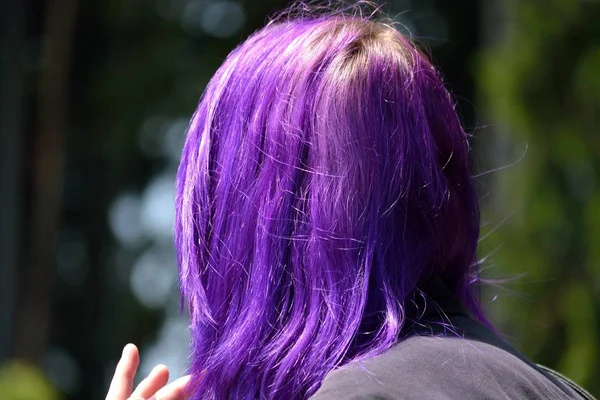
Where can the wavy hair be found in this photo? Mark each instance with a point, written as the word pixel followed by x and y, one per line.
pixel 324 178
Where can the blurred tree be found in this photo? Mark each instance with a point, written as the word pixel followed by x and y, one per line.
pixel 541 82
pixel 13 92
pixel 37 278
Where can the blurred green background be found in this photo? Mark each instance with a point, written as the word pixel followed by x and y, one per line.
pixel 94 101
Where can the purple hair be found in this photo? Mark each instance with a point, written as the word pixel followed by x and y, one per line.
pixel 323 179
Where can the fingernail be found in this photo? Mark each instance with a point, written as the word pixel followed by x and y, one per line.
pixel 126 350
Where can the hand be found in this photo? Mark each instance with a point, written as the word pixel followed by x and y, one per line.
pixel 153 387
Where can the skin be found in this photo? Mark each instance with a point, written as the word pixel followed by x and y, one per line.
pixel 153 387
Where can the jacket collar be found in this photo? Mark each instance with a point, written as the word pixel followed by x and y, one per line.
pixel 432 303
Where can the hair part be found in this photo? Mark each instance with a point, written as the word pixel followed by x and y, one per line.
pixel 323 179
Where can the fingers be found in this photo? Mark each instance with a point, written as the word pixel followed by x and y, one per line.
pixel 158 377
pixel 154 385
pixel 122 382
pixel 174 390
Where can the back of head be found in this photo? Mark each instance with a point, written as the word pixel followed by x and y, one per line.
pixel 324 177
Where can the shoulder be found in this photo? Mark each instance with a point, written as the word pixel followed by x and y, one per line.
pixel 429 367
pixel 416 368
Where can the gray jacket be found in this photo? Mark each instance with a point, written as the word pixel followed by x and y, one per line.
pixel 447 355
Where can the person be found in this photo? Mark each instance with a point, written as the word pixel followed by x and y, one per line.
pixel 326 230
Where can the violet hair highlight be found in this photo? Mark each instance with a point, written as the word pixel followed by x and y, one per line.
pixel 324 177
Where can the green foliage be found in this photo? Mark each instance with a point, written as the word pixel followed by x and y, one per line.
pixel 541 83
pixel 21 381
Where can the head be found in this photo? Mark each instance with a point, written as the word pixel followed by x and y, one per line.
pixel 324 178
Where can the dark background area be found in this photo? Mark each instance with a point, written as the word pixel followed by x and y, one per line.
pixel 94 102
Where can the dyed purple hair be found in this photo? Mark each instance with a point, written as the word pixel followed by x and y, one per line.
pixel 323 179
